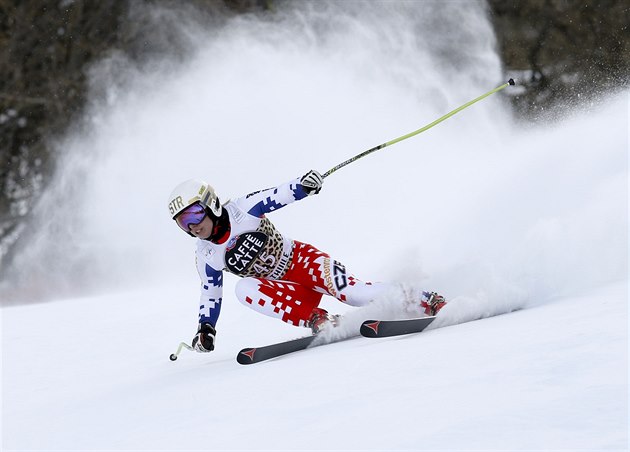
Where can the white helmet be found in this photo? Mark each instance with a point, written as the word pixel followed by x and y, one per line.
pixel 190 192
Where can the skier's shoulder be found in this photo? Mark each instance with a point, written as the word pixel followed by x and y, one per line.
pixel 204 250
pixel 236 209
pixel 209 257
pixel 201 245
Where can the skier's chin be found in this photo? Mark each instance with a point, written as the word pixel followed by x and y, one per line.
pixel 199 236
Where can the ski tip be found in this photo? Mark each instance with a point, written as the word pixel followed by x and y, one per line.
pixel 386 328
pixel 369 328
pixel 246 356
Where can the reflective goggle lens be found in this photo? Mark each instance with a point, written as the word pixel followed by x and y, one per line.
pixel 190 216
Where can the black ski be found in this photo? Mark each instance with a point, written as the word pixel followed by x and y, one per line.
pixel 256 355
pixel 387 328
pixel 369 328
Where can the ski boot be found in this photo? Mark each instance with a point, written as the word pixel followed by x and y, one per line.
pixel 320 318
pixel 432 303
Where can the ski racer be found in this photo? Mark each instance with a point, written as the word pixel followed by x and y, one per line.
pixel 282 278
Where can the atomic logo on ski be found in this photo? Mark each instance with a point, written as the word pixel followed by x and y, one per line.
pixel 387 328
pixel 373 325
pixel 252 355
pixel 249 353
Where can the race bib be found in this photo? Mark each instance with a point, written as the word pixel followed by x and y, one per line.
pixel 243 251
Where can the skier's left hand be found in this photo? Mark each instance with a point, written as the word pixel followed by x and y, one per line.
pixel 312 182
pixel 203 342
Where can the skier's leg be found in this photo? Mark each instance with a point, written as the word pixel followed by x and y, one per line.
pixel 316 270
pixel 288 301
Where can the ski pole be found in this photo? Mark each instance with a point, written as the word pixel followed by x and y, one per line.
pixel 427 127
pixel 173 356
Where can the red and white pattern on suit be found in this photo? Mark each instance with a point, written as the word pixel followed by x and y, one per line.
pixel 312 273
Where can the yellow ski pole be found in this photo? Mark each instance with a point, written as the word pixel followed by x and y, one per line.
pixel 412 134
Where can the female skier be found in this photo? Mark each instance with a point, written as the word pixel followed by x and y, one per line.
pixel 282 278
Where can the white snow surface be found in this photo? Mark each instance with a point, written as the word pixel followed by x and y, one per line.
pixel 548 377
pixel 523 229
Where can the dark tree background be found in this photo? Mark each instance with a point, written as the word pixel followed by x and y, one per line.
pixel 563 52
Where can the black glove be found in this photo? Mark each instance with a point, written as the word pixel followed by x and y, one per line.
pixel 203 342
pixel 312 182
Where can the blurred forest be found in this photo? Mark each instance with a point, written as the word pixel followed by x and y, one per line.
pixel 563 52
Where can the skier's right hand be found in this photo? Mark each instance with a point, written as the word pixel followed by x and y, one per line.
pixel 312 182
pixel 203 342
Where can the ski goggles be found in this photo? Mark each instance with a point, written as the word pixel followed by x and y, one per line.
pixel 190 216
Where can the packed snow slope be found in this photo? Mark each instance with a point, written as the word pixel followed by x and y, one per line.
pixel 94 374
pixel 523 229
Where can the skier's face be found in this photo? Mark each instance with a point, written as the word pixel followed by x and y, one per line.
pixel 194 219
pixel 202 230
